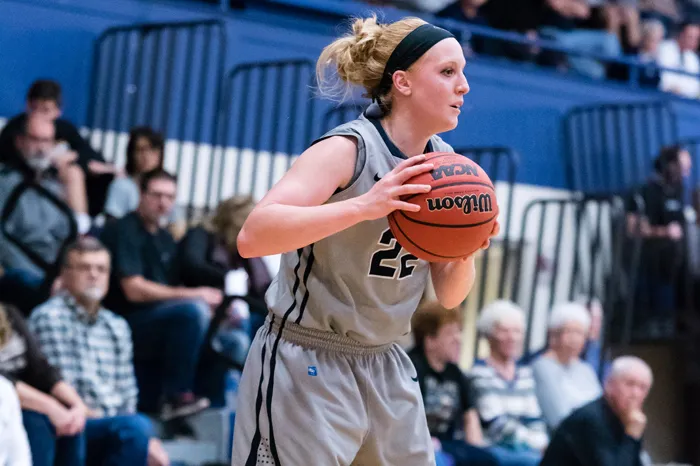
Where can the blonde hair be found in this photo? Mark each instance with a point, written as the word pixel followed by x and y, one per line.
pixel 229 217
pixel 5 326
pixel 360 56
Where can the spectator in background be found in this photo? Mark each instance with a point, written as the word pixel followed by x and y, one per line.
pixel 652 32
pixel 52 412
pixel 208 256
pixel 208 253
pixel 607 431
pixel 563 381
pixel 426 6
pixel 666 11
pixel 506 398
pixel 521 17
pixel 593 351
pixel 559 22
pixel 680 54
pixel 45 99
pixel 470 12
pixel 144 153
pixel 161 316
pixel 92 349
pixel 622 20
pixel 447 393
pixel 14 445
pixel 36 221
pixel 662 228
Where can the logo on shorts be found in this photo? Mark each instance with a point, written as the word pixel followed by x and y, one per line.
pixel 312 371
pixel 377 178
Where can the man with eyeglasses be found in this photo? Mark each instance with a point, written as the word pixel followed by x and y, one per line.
pixel 92 349
pixel 168 323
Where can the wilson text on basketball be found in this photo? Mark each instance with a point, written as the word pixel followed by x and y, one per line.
pixel 452 170
pixel 468 203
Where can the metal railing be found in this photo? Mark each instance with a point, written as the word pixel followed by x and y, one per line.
pixel 164 75
pixel 610 147
pixel 568 248
pixel 269 117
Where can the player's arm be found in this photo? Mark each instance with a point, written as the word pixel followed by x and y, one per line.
pixel 293 214
pixel 453 281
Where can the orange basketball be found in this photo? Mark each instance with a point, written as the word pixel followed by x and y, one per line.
pixel 455 217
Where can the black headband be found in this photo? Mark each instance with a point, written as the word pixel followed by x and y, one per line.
pixel 409 50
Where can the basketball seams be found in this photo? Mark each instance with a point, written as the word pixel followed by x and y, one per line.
pixel 432 254
pixel 442 225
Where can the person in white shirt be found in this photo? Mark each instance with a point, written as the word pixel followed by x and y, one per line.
pixel 14 445
pixel 679 54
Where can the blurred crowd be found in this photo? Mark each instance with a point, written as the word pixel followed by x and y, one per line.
pixel 653 33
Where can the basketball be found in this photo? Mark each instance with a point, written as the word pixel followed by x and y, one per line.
pixel 456 216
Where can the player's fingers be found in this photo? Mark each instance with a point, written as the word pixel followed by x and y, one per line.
pixel 408 173
pixel 496 229
pixel 407 206
pixel 406 189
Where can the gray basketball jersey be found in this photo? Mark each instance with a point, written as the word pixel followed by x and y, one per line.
pixel 359 282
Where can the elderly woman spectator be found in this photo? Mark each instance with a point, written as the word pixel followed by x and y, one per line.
pixel 563 381
pixel 505 390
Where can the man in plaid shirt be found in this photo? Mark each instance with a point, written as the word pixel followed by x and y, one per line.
pixel 92 349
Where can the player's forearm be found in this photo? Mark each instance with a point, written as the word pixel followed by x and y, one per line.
pixel 453 281
pixel 278 228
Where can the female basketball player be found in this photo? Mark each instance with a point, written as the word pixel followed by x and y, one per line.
pixel 325 383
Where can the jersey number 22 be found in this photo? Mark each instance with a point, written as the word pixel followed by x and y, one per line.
pixel 386 261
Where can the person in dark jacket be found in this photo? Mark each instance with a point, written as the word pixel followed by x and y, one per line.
pixel 208 253
pixel 607 431
pixel 208 256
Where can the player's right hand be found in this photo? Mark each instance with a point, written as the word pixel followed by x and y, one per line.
pixel 384 197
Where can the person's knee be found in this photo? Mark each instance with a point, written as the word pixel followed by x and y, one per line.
pixel 37 423
pixel 135 428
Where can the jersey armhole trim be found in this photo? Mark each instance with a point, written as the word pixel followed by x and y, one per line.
pixel 360 159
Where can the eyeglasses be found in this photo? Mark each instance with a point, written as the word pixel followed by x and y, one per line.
pixel 86 268
pixel 155 194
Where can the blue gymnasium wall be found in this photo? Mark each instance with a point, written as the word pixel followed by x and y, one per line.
pixel 509 104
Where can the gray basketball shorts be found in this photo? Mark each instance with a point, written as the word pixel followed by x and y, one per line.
pixel 312 398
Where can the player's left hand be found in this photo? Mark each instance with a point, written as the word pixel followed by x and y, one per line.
pixel 494 232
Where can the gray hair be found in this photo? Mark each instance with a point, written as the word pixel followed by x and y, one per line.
pixel 651 26
pixel 564 313
pixel 497 312
pixel 624 365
